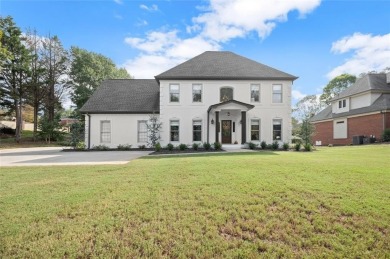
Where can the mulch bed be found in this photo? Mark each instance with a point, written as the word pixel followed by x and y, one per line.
pixel 186 151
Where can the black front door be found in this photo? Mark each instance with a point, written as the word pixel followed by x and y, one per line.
pixel 226 132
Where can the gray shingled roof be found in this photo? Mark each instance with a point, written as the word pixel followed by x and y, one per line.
pixel 367 83
pixel 124 96
pixel 223 65
pixel 382 103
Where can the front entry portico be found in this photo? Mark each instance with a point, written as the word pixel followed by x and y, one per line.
pixel 227 122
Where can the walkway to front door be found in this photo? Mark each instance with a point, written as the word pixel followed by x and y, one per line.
pixel 226 132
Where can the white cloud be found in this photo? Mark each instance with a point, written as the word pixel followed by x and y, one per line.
pixel 219 22
pixel 297 95
pixel 369 53
pixel 118 1
pixel 151 8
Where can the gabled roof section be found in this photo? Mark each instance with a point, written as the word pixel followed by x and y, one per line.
pixel 247 105
pixel 370 82
pixel 124 96
pixel 213 65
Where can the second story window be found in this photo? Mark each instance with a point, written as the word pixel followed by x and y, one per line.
pixel 342 104
pixel 226 94
pixel 196 93
pixel 174 93
pixel 255 93
pixel 277 94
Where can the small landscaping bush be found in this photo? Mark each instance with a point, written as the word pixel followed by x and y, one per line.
pixel 275 145
pixel 386 135
pixel 206 146
pixel 286 146
pixel 80 145
pixel 124 147
pixel 157 147
pixel 263 144
pixel 100 147
pixel 297 146
pixel 217 146
pixel 252 145
pixel 182 146
pixel 141 146
pixel 170 147
pixel 308 147
pixel 7 130
pixel 195 146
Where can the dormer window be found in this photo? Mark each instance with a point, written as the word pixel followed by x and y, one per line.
pixel 342 104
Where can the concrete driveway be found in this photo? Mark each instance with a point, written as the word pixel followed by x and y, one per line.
pixel 43 156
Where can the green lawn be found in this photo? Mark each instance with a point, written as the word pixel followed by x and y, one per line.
pixel 334 202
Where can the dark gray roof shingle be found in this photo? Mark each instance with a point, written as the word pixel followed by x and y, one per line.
pixel 223 65
pixel 124 96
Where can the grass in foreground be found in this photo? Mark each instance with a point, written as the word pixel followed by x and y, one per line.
pixel 330 203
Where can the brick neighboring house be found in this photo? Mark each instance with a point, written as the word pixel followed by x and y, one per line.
pixel 361 110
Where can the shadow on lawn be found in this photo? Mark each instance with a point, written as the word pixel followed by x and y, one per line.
pixel 262 153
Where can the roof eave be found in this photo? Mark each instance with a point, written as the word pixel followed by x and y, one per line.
pixel 158 78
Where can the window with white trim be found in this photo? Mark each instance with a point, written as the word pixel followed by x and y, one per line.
pixel 142 131
pixel 174 93
pixel 105 131
pixel 255 129
pixel 342 103
pixel 277 129
pixel 255 93
pixel 197 130
pixel 277 94
pixel 196 93
pixel 174 130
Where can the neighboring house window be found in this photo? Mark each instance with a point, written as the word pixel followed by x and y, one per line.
pixel 255 93
pixel 105 131
pixel 142 131
pixel 197 93
pixel 277 129
pixel 174 93
pixel 226 94
pixel 342 103
pixel 277 96
pixel 255 129
pixel 174 131
pixel 197 130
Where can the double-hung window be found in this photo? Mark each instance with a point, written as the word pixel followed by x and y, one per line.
pixel 174 93
pixel 255 93
pixel 174 130
pixel 197 130
pixel 142 131
pixel 255 129
pixel 277 94
pixel 342 103
pixel 105 131
pixel 196 93
pixel 277 129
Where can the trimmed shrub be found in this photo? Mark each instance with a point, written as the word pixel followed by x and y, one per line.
pixel 124 147
pixel 7 130
pixel 100 147
pixel 195 146
pixel 275 145
pixel 297 146
pixel 182 146
pixel 80 145
pixel 217 146
pixel 157 147
pixel 286 146
pixel 263 144
pixel 308 147
pixel 170 147
pixel 386 135
pixel 141 146
pixel 206 146
pixel 252 145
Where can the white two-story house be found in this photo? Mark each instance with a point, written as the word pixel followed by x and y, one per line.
pixel 217 96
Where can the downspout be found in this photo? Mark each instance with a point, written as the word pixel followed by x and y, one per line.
pixel 89 131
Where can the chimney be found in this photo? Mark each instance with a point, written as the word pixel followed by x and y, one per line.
pixel 388 78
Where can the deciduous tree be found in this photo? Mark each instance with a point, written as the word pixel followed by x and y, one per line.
pixel 335 86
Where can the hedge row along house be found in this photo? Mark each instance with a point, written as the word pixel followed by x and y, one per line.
pixel 217 96
pixel 361 112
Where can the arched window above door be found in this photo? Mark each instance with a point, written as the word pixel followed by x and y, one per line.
pixel 226 94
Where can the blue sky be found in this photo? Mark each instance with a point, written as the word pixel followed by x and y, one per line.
pixel 312 39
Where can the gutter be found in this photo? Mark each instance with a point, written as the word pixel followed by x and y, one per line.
pixel 89 131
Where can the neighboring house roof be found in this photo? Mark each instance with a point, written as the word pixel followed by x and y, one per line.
pixel 248 106
pixel 369 82
pixel 382 103
pixel 223 65
pixel 124 96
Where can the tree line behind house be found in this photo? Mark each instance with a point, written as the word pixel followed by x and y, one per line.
pixel 36 72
